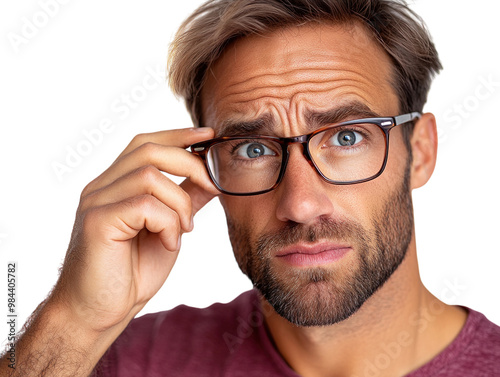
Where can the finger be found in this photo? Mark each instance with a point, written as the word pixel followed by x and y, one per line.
pixel 147 180
pixel 172 160
pixel 199 196
pixel 122 221
pixel 181 138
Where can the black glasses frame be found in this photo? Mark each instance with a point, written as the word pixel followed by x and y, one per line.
pixel 386 124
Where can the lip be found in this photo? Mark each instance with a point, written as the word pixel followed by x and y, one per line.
pixel 313 255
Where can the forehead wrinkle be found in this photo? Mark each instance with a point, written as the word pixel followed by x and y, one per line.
pixel 289 78
pixel 299 110
pixel 308 80
pixel 288 92
pixel 328 68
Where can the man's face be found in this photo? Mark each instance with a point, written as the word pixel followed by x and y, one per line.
pixel 316 251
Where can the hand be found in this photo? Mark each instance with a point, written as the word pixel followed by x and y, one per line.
pixel 128 228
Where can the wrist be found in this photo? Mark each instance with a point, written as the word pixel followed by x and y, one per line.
pixel 87 337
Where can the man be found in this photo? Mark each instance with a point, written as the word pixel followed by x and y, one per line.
pixel 312 136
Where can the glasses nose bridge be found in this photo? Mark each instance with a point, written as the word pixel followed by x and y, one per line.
pixel 304 140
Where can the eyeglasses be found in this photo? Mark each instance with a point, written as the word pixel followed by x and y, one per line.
pixel 346 153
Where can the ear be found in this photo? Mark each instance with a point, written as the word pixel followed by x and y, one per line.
pixel 424 144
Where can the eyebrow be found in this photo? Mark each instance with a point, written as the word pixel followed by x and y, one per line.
pixel 266 125
pixel 350 111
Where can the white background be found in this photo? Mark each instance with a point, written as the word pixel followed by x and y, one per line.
pixel 74 68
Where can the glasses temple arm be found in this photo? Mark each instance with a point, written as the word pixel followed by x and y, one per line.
pixel 405 118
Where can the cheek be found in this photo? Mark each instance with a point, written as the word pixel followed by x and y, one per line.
pixel 252 213
pixel 382 190
pixel 360 203
pixel 397 161
pixel 365 203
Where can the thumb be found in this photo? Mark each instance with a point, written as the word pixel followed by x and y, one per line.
pixel 199 196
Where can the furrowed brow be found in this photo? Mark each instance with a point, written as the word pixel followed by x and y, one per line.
pixel 350 111
pixel 263 125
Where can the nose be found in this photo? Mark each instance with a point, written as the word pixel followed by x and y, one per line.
pixel 303 194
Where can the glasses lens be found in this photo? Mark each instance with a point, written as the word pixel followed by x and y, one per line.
pixel 349 153
pixel 244 166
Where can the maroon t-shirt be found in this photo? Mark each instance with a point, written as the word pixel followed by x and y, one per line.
pixel 229 340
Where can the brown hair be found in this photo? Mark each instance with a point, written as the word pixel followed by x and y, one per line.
pixel 204 35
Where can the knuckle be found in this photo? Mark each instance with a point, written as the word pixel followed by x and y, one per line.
pixel 88 189
pixel 85 202
pixel 145 202
pixel 90 219
pixel 148 173
pixel 138 142
pixel 148 148
pixel 138 139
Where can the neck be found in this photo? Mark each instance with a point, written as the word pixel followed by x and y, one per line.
pixel 400 328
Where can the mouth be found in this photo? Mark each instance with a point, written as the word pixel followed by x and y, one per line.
pixel 305 255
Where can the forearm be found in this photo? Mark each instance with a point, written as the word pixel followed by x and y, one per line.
pixel 55 345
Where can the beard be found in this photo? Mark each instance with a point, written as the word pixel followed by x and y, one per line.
pixel 324 296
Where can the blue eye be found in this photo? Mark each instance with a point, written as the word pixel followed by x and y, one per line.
pixel 254 150
pixel 346 138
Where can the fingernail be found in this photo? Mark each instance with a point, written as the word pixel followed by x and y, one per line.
pixel 179 242
pixel 191 225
